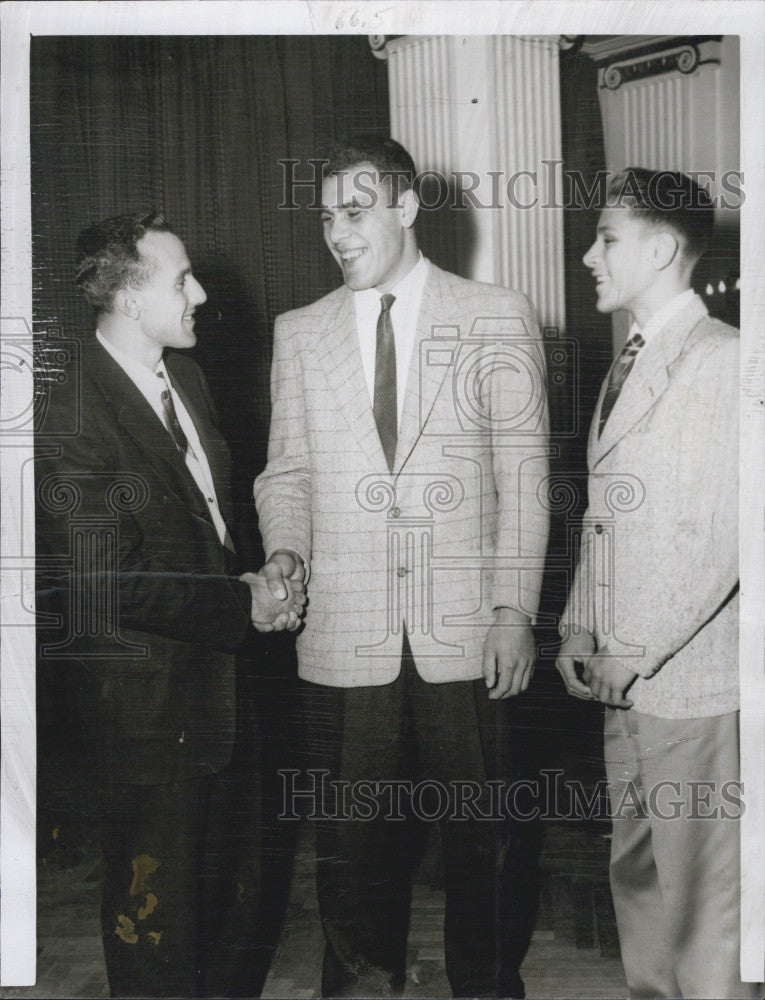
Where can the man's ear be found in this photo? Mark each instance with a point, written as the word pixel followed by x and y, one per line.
pixel 665 248
pixel 410 206
pixel 126 303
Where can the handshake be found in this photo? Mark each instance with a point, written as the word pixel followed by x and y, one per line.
pixel 278 593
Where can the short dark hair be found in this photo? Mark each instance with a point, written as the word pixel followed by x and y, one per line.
pixel 667 198
pixel 109 258
pixel 386 155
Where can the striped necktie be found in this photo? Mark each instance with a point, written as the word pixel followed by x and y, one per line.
pixel 171 418
pixel 385 405
pixel 618 376
pixel 182 444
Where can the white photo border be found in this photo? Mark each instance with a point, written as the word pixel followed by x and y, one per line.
pixel 19 21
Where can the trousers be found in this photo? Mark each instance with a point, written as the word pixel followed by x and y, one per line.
pixel 159 888
pixel 675 856
pixel 404 755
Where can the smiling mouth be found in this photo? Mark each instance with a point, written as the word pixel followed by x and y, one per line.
pixel 351 255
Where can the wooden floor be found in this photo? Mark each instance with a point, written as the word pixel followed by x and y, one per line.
pixel 572 908
pixel 573 952
pixel 70 960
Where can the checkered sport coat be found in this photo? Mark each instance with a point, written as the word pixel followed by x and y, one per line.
pixel 458 528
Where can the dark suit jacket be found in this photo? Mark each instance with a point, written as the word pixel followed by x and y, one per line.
pixel 146 609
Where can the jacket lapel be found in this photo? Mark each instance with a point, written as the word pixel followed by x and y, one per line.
pixel 338 355
pixel 212 444
pixel 438 308
pixel 140 421
pixel 646 382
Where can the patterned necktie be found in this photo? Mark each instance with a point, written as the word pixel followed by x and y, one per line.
pixel 182 444
pixel 385 401
pixel 618 376
pixel 171 419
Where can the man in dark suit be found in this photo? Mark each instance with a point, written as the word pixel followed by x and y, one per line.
pixel 138 565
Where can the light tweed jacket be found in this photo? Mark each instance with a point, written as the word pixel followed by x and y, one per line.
pixel 657 578
pixel 456 530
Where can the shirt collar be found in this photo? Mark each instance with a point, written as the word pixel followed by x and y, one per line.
pixel 139 373
pixel 662 316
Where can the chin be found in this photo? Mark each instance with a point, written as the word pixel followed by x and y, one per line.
pixel 604 306
pixel 358 284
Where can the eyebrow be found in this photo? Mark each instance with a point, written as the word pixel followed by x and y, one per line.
pixel 183 273
pixel 353 203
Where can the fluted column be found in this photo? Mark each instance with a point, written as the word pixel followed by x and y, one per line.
pixel 672 103
pixel 484 112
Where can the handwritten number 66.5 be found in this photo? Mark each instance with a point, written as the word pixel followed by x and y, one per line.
pixel 352 18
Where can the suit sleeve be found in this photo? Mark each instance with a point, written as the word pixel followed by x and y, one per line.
pixel 159 590
pixel 691 555
pixel 283 490
pixel 519 443
pixel 579 613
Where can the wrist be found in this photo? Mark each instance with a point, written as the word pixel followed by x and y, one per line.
pixel 285 557
pixel 297 567
pixel 569 631
pixel 510 616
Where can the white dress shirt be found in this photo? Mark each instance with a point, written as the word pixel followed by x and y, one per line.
pixel 662 316
pixel 151 386
pixel 403 315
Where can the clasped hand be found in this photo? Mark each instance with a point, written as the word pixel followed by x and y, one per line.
pixel 278 593
pixel 603 676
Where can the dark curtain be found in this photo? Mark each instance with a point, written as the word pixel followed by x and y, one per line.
pixel 196 127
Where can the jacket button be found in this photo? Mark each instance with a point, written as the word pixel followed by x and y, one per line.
pixel 401 571
pixel 598 529
pixel 395 512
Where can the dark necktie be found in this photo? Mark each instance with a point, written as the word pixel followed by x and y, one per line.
pixel 385 406
pixel 181 441
pixel 171 419
pixel 618 376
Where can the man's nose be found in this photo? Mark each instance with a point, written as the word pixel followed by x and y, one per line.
pixel 589 258
pixel 337 229
pixel 199 294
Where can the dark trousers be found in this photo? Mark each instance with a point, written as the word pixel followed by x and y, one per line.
pixel 446 741
pixel 155 888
